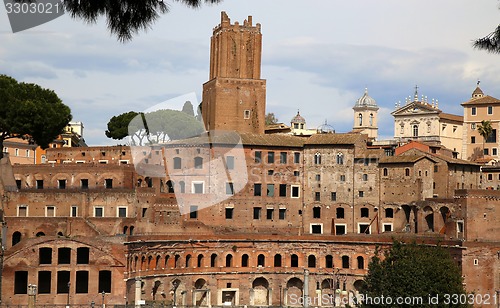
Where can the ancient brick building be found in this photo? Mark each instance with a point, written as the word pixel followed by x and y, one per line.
pixel 234 218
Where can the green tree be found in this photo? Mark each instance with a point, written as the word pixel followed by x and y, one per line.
pixel 271 118
pixel 485 130
pixel 166 124
pixel 30 112
pixel 412 270
pixel 124 18
pixel 490 43
pixel 188 108
pixel 118 125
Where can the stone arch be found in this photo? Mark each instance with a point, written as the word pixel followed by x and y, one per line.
pixel 311 261
pixel 188 260
pixel 200 292
pixel 229 260
pixel 261 260
pixel 156 286
pixel 260 287
pixel 360 286
pixel 294 288
pixel 170 187
pixel 200 260
pixel 361 262
pixel 40 233
pixel 429 218
pixel 244 260
pixel 157 262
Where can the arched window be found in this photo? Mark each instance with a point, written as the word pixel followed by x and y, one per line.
pixel 177 260
pixel 213 260
pixel 183 186
pixel 125 229
pixel 415 130
pixel 340 158
pixel 317 159
pixel 311 261
pixel 360 119
pixel 261 260
pixel 166 261
pixel 345 262
pixel 200 261
pixel 229 260
pixel 188 261
pixel 294 261
pixel 244 260
pixel 407 171
pixel 198 162
pixel 371 119
pixel 16 237
pixel 329 261
pixel 40 234
pixel 170 187
pixel 277 260
pixel 157 263
pixel 131 230
pixel 177 163
pixel 386 172
pixel 361 262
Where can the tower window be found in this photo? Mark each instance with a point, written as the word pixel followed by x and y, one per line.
pixel 246 114
pixel 360 119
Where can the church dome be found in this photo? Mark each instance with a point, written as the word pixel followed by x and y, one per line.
pixel 325 129
pixel 298 119
pixel 366 101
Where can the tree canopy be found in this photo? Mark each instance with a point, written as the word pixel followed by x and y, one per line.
pixel 271 118
pixel 412 270
pixel 118 125
pixel 124 18
pixel 188 108
pixel 30 112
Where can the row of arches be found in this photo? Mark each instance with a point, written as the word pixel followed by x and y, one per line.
pixel 152 262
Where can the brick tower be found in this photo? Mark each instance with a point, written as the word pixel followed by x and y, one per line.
pixel 234 98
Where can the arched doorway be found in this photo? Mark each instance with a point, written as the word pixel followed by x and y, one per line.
pixel 294 288
pixel 201 296
pixel 260 288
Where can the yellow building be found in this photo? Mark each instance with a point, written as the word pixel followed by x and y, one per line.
pixel 480 107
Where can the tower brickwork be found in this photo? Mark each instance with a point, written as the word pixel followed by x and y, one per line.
pixel 234 97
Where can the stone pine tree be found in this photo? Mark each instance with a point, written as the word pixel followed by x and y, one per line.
pixel 413 271
pixel 485 130
pixel 271 118
pixel 124 18
pixel 30 112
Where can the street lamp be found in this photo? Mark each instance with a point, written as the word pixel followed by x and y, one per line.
pixel 103 293
pixel 67 301
pixel 176 285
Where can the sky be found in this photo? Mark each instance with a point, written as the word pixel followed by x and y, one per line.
pixel 318 57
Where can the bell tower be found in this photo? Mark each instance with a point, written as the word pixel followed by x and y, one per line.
pixel 234 98
pixel 365 116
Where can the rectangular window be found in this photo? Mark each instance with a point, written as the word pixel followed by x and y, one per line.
pixel 64 255
pixel 257 189
pixel 473 126
pixel 364 228
pixel 485 152
pixel 490 109
pixel 22 211
pixel 387 227
pixel 342 178
pixel 230 162
pixel 82 255
pixel 318 177
pixel 316 228
pixel 104 282
pixel 39 184
pixel 258 157
pixel 492 138
pixel 84 184
pixel 282 190
pixel 45 255
pixel 108 183
pixel 494 151
pixel 122 212
pixel 229 188
pixel 472 139
pixel 269 214
pixel 229 212
pixel 21 282
pixel 340 229
pixel 339 213
pixel 295 191
pixel 473 111
pixel 44 282
pixel 74 211
pixel 334 196
pixel 361 194
pixel 270 157
pixel 50 211
pixel 365 177
pixel 256 212
pixel 61 184
pixel 246 114
pixel 296 158
pixel 198 188
pixel 270 190
pixel 98 211
pixel 193 212
pixel 282 214
pixel 82 282
pixel 63 282
pixel 317 196
pixel 490 177
pixel 296 173
pixel 283 157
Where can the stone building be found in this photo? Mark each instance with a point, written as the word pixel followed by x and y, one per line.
pixel 234 218
pixel 365 116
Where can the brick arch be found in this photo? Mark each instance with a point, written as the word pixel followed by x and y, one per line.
pixel 80 176
pixel 60 176
pixel 107 175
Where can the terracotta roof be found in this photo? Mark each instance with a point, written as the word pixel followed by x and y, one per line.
pixel 447 159
pixel 325 139
pixel 483 100
pixel 232 138
pixel 451 117
pixel 370 153
pixel 401 159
